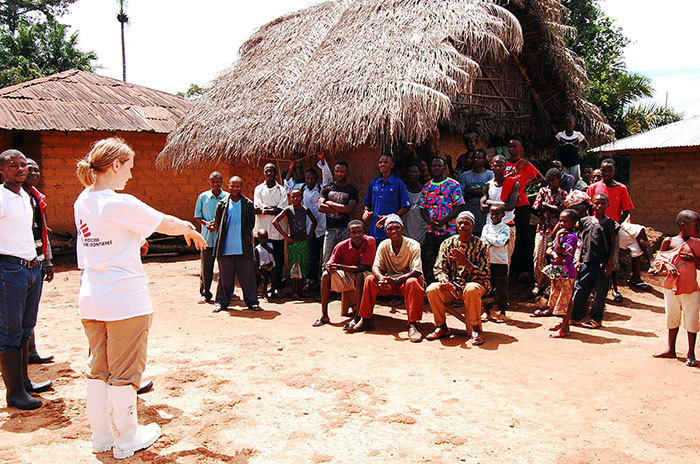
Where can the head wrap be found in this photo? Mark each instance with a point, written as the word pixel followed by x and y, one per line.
pixel 575 197
pixel 467 214
pixel 393 218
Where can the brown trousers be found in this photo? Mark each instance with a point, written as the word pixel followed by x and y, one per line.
pixel 118 349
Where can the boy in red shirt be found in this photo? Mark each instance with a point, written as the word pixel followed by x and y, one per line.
pixel 679 256
pixel 526 174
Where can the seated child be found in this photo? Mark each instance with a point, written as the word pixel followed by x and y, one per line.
pixel 296 216
pixel 496 235
pixel 680 257
pixel 264 262
pixel 562 271
pixel 598 235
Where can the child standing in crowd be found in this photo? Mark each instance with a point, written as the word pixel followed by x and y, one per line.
pixel 296 216
pixel 496 235
pixel 264 261
pixel 570 143
pixel 598 235
pixel 563 272
pixel 680 256
pixel 548 204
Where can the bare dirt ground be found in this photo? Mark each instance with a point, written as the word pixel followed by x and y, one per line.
pixel 266 387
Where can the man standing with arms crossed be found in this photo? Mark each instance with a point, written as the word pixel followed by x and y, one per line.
pixel 337 201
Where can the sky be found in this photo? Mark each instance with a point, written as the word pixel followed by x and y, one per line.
pixel 171 44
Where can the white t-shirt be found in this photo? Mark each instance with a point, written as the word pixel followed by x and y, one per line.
pixel 264 196
pixel 16 220
pixel 113 284
pixel 494 194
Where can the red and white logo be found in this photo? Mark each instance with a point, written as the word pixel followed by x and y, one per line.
pixel 84 229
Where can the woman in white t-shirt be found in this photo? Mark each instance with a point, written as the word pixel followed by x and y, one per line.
pixel 114 303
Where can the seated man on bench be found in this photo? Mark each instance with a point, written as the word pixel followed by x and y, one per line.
pixel 397 270
pixel 347 268
pixel 462 273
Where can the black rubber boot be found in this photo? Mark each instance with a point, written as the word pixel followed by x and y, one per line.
pixel 17 396
pixel 30 386
pixel 34 357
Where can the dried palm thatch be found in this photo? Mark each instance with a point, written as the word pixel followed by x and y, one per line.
pixel 350 72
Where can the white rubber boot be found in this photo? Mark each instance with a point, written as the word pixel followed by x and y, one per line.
pixel 129 437
pixel 98 416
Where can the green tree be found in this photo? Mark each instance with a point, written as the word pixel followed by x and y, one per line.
pixel 601 45
pixel 34 44
pixel 647 116
pixel 194 91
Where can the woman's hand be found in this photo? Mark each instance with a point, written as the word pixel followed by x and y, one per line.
pixel 192 237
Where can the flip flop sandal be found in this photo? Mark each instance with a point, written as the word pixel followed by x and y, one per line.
pixel 690 363
pixel 555 328
pixel 591 324
pixel 321 321
pixel 256 308
pixel 641 285
pixel 541 313
pixel 477 340
pixel 559 334
pixel 617 297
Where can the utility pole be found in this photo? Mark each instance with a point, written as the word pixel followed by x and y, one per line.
pixel 123 20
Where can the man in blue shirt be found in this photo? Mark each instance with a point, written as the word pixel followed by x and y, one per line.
pixel 234 221
pixel 204 215
pixel 385 195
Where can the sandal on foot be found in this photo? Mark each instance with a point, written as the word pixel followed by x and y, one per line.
pixel 591 324
pixel 500 318
pixel 321 321
pixel 217 308
pixel 691 363
pixel 559 334
pixel 476 339
pixel 641 285
pixel 541 313
pixel 439 332
pixel 617 297
pixel 485 317
pixel 256 308
pixel 555 328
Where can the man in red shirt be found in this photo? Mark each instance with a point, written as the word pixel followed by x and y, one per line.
pixel 618 210
pixel 526 174
pixel 620 201
pixel 347 267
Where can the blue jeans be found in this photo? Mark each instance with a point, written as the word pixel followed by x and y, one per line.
pixel 590 278
pixel 20 291
pixel 333 237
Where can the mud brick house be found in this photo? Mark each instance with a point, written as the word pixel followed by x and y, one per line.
pixel 664 172
pixel 56 119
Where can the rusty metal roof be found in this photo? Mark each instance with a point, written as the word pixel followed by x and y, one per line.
pixel 681 134
pixel 83 101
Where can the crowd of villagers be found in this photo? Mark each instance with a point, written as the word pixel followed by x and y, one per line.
pixel 446 234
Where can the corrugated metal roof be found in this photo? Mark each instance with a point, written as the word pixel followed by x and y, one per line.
pixel 684 133
pixel 83 101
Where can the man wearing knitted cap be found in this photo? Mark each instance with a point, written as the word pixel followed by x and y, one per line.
pixel 462 273
pixel 397 270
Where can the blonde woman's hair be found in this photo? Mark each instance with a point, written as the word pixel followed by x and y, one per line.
pixel 101 157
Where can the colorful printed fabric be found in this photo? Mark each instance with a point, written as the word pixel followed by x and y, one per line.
pixel 439 199
pixel 548 220
pixel 297 256
pixel 446 267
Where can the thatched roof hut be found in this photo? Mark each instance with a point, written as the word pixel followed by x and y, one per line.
pixel 347 73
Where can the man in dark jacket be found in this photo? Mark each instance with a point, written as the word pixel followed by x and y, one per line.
pixel 234 220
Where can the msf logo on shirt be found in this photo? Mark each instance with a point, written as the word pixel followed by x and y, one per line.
pixel 84 229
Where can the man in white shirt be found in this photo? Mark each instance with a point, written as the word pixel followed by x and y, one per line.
pixel 20 271
pixel 269 198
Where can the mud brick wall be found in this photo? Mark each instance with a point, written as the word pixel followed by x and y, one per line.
pixel 663 184
pixel 57 152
